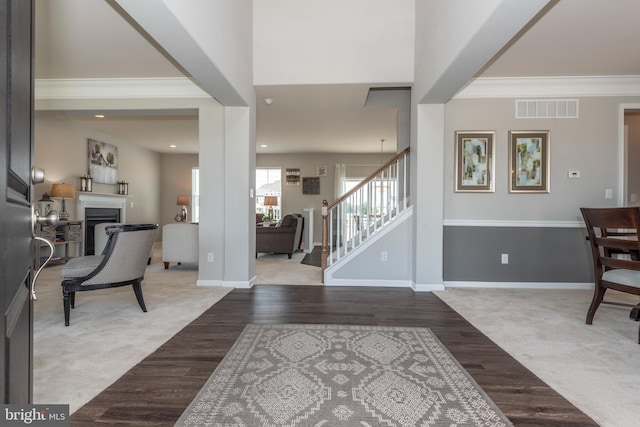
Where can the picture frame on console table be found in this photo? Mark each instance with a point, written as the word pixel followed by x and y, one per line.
pixel 529 161
pixel 474 161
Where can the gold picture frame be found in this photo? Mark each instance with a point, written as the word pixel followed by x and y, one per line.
pixel 529 161
pixel 475 161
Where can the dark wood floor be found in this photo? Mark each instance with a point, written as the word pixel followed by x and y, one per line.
pixel 156 391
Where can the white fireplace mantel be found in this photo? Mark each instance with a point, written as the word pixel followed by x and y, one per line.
pixel 101 200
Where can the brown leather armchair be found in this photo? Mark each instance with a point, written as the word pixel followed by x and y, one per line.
pixel 284 238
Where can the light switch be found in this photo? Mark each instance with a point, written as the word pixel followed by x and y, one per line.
pixel 608 193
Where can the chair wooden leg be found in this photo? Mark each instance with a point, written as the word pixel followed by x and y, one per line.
pixel 289 256
pixel 72 299
pixel 166 265
pixel 66 302
pixel 137 288
pixel 598 295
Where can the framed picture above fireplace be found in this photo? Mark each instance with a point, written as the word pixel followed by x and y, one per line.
pixel 103 162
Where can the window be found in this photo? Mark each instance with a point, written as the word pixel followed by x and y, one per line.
pixel 195 195
pixel 269 184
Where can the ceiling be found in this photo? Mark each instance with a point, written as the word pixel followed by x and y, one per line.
pixel 89 39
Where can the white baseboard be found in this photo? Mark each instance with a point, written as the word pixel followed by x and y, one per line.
pixel 227 283
pixel 430 287
pixel 519 285
pixel 364 282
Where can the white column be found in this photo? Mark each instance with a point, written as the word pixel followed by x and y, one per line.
pixel 308 230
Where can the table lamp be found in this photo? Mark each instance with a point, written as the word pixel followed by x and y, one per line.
pixel 63 191
pixel 270 201
pixel 184 202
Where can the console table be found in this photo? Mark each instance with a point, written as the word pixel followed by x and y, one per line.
pixel 64 235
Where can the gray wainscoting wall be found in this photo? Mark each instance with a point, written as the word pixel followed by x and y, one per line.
pixel 536 254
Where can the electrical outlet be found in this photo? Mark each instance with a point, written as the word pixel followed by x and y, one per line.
pixel 209 256
pixel 608 193
pixel 505 258
pixel 573 174
pixel 384 256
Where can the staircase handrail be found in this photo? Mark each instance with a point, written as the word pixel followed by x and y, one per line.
pixel 326 207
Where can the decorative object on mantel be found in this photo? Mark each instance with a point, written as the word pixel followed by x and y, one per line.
pixel 103 162
pixel 123 188
pixel 270 201
pixel 63 191
pixel 184 202
pixel 86 183
pixel 45 205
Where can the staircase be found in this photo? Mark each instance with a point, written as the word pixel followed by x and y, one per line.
pixel 365 211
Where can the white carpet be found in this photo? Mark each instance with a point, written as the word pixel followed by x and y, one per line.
pixel 108 332
pixel 596 367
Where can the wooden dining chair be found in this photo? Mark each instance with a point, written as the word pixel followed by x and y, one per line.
pixel 613 236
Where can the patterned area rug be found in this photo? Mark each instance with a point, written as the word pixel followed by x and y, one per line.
pixel 340 375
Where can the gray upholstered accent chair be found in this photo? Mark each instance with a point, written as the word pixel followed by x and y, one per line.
pixel 284 238
pixel 123 262
pixel 100 238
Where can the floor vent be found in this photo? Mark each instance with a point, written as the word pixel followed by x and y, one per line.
pixel 546 108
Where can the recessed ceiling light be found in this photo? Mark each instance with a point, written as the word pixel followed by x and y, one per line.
pixel 268 101
pixel 99 116
pixel 172 146
pixel 264 146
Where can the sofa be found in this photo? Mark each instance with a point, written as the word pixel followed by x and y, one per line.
pixel 179 243
pixel 283 238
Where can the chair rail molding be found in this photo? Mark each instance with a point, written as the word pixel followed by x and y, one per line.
pixel 511 223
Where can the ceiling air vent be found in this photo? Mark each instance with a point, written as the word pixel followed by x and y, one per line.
pixel 546 108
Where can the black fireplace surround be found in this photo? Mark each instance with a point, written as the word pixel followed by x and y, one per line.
pixel 93 217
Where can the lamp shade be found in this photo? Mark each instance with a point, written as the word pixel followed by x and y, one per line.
pixel 63 191
pixel 183 201
pixel 270 201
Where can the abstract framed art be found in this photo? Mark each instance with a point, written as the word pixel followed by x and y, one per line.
pixel 528 161
pixel 474 161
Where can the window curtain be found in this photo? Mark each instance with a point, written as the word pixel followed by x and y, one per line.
pixel 341 172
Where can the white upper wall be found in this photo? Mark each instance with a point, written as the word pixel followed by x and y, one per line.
pixel 333 41
pixel 456 38
pixel 212 40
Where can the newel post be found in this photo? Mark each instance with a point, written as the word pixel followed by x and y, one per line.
pixel 325 236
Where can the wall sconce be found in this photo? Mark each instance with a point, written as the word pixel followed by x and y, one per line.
pixel 123 188
pixel 86 183
pixel 184 202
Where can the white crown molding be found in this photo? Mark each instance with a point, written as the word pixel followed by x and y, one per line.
pixel 511 223
pixel 138 88
pixel 516 87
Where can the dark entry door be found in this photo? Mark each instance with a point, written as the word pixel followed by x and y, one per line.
pixel 16 148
